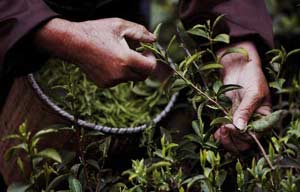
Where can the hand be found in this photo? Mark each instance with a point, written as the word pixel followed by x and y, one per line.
pixel 99 47
pixel 253 97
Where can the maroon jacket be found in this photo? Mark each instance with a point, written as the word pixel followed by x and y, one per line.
pixel 19 18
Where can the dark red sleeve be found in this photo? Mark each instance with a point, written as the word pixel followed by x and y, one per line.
pixel 244 19
pixel 18 18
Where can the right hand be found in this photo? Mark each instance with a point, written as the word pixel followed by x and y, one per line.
pixel 99 47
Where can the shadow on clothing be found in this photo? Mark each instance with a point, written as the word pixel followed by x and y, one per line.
pixel 2 185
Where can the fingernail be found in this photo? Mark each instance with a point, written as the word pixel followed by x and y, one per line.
pixel 240 124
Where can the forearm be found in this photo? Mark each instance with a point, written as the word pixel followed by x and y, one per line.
pixel 56 38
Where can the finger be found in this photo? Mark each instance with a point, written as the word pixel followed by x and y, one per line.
pixel 265 108
pixel 249 104
pixel 235 100
pixel 226 141
pixel 143 65
pixel 137 32
pixel 241 141
pixel 161 71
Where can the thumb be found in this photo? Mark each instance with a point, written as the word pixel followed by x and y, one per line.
pixel 248 105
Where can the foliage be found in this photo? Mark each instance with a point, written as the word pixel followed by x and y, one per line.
pixel 125 105
pixel 196 162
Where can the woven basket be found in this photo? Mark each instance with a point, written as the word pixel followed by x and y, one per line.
pixel 26 101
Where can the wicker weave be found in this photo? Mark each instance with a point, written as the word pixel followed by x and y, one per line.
pixel 85 124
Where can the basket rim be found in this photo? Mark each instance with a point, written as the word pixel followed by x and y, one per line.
pixel 85 124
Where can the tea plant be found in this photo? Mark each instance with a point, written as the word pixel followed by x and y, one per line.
pixel 197 162
pixel 41 162
pixel 207 93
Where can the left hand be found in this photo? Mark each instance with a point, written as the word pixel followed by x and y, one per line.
pixel 253 97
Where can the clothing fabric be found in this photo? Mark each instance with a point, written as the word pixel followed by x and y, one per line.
pixel 243 19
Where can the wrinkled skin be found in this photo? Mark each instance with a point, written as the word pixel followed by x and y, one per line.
pixel 99 47
pixel 253 97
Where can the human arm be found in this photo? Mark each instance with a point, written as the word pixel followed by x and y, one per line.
pixel 30 32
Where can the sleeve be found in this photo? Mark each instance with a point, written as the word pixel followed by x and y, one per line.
pixel 18 19
pixel 243 19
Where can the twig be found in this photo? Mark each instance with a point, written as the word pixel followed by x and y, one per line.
pixel 187 51
pixel 170 63
pixel 261 149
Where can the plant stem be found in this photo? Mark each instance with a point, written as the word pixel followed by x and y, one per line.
pixel 202 93
pixel 187 51
pixel 261 149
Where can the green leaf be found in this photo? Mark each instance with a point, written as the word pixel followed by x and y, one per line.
pixel 266 122
pixel 151 48
pixel 23 128
pixel 18 187
pixel 194 58
pixel 21 165
pixel 74 184
pixel 12 136
pixel 44 132
pixel 50 154
pixel 13 149
pixel 56 181
pixel 220 178
pixel 221 120
pixel 278 84
pixel 157 30
pixel 178 84
pixel 198 32
pixel 228 87
pixel 224 38
pixel 170 44
pixel 238 50
pixel 295 51
pixel 158 165
pixel 217 21
pixel 196 128
pixel 191 181
pixel 211 66
pixel 217 85
pixel 93 163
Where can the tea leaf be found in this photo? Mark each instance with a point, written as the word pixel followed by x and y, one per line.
pixel 50 154
pixel 229 87
pixel 44 132
pixel 266 122
pixel 295 51
pixel 211 66
pixel 278 84
pixel 217 21
pixel 74 184
pixel 198 32
pixel 241 51
pixel 57 181
pixel 221 120
pixel 223 38
pixel 157 30
pixel 18 187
